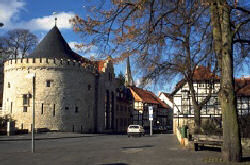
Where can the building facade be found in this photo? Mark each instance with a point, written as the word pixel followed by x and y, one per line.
pixel 182 101
pixel 142 99
pixel 124 106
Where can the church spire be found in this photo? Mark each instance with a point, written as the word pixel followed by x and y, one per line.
pixel 128 75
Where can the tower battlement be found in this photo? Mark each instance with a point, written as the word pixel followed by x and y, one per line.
pixel 36 63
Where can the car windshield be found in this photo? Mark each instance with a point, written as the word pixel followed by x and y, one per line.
pixel 134 126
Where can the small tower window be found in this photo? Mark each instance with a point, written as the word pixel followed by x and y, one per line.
pixel 66 108
pixel 76 109
pixel 25 109
pixel 42 109
pixel 89 87
pixel 11 105
pixel 26 99
pixel 48 83
pixel 54 110
pixel 8 84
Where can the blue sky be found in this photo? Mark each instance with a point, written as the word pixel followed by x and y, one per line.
pixel 38 17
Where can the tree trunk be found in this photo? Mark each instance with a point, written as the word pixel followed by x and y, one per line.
pixel 197 120
pixel 231 150
pixel 197 108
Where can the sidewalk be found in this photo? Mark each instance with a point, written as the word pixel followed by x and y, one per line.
pixel 46 136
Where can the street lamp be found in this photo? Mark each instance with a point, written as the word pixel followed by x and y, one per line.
pixel 33 76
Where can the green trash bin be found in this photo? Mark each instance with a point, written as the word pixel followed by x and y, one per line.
pixel 184 131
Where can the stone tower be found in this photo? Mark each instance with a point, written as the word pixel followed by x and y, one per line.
pixel 64 88
pixel 128 75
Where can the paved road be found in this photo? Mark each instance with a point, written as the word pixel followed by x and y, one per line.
pixel 103 150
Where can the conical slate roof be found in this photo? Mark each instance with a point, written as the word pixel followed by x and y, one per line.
pixel 54 46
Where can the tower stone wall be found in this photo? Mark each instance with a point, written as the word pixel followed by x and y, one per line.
pixel 64 94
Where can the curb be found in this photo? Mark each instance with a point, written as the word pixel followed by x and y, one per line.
pixel 44 138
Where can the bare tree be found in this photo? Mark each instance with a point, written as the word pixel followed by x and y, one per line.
pixel 19 42
pixel 228 23
pixel 166 37
pixel 173 37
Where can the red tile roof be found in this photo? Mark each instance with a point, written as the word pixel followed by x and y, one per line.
pixel 203 73
pixel 100 65
pixel 244 91
pixel 146 97
pixel 242 86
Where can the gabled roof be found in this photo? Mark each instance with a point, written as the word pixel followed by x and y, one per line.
pixel 242 85
pixel 54 46
pixel 201 73
pixel 100 65
pixel 146 97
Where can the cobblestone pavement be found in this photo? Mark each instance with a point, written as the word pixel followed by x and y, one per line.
pixel 104 150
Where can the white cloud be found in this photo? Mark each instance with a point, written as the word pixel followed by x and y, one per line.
pixel 73 44
pixel 137 82
pixel 40 36
pixel 47 22
pixel 9 10
pixel 9 15
pixel 86 51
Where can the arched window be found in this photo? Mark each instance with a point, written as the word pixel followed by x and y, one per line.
pixel 112 110
pixel 107 109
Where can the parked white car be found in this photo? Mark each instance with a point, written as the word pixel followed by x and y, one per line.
pixel 135 130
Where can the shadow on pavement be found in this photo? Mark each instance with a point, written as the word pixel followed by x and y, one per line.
pixel 114 164
pixel 145 146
